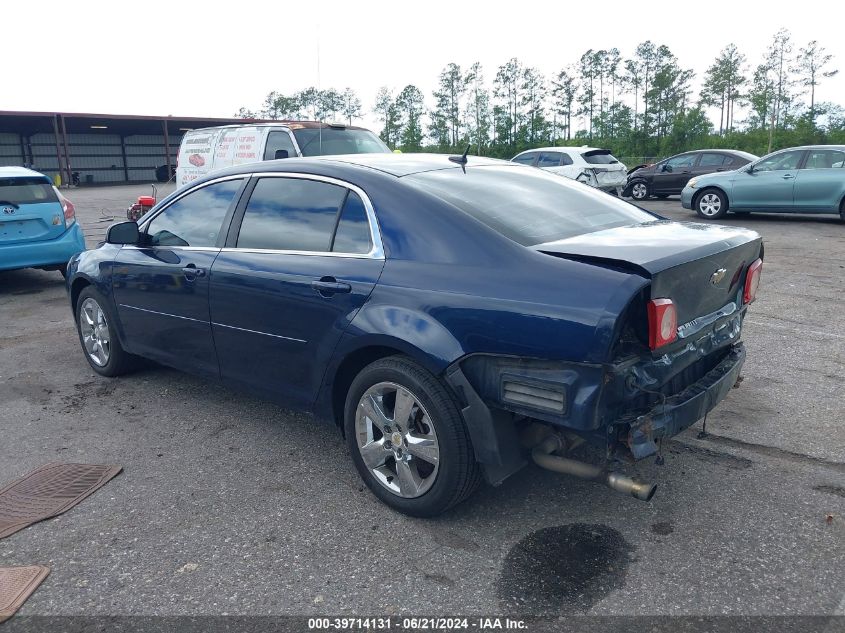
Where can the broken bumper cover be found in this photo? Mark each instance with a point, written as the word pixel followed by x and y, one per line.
pixel 684 409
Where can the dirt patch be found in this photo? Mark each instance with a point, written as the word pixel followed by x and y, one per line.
pixel 563 569
pixel 663 528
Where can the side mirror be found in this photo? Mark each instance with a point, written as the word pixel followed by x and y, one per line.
pixel 123 233
pixel 750 169
pixel 666 168
pixel 281 153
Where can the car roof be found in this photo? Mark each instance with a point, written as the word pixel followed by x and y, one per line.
pixel 400 164
pixel 292 125
pixel 567 148
pixel 19 172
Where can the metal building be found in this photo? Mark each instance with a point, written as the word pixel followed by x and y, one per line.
pixel 96 148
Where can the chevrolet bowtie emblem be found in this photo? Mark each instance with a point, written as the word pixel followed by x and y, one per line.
pixel 716 277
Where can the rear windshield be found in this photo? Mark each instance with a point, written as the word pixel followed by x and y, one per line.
pixel 599 158
pixel 330 141
pixel 26 190
pixel 529 206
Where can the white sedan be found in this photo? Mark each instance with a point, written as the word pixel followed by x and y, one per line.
pixel 592 166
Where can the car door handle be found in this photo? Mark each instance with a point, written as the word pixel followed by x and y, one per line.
pixel 787 176
pixel 328 286
pixel 191 272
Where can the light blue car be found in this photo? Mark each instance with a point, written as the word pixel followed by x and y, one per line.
pixel 38 227
pixel 797 180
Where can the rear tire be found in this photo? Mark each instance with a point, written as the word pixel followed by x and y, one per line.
pixel 711 204
pixel 640 191
pixel 95 325
pixel 842 210
pixel 428 442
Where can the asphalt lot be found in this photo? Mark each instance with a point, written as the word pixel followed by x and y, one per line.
pixel 230 505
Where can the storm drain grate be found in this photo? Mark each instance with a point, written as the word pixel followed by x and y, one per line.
pixel 48 491
pixel 16 585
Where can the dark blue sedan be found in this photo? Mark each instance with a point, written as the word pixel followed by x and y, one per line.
pixel 455 317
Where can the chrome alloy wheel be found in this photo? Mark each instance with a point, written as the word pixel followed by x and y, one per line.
pixel 95 332
pixel 710 204
pixel 639 191
pixel 396 440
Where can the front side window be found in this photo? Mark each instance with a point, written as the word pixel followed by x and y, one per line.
pixel 680 162
pixel 825 159
pixel 276 141
pixel 195 219
pixel 525 159
pixel 549 159
pixel 291 214
pixel 784 161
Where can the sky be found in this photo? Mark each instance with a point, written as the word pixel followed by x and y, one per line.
pixel 210 58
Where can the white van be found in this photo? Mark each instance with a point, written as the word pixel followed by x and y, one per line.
pixel 211 148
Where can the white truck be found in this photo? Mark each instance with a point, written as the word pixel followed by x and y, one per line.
pixel 212 148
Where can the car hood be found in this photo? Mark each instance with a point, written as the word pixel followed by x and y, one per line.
pixel 653 246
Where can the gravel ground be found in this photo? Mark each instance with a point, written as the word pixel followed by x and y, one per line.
pixel 230 505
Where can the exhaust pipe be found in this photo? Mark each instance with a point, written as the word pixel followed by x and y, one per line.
pixel 542 456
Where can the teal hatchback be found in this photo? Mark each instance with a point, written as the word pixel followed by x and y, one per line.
pixel 797 180
pixel 38 227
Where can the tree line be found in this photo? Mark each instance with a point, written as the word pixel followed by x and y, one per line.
pixel 642 105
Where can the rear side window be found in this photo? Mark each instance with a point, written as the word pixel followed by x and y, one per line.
pixel 195 219
pixel 291 214
pixel 566 159
pixel 529 206
pixel 599 157
pixel 714 160
pixel 276 141
pixel 353 230
pixel 549 159
pixel 825 159
pixel 26 190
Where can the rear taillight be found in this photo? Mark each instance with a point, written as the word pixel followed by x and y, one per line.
pixel 67 207
pixel 70 211
pixel 662 322
pixel 752 281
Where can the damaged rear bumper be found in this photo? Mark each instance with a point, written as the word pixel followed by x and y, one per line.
pixel 492 421
pixel 680 411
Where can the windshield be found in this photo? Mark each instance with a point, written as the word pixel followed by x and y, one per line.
pixel 599 158
pixel 528 205
pixel 330 141
pixel 26 190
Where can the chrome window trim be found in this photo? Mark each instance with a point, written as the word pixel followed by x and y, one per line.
pixel 142 228
pixel 202 249
pixel 376 250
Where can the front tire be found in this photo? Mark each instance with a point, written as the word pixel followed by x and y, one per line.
pixel 95 325
pixel 639 191
pixel 711 204
pixel 407 438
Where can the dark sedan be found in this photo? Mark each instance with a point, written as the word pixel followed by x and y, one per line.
pixel 670 176
pixel 454 317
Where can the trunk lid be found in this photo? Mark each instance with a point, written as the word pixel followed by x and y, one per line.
pixel 29 210
pixel 701 267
